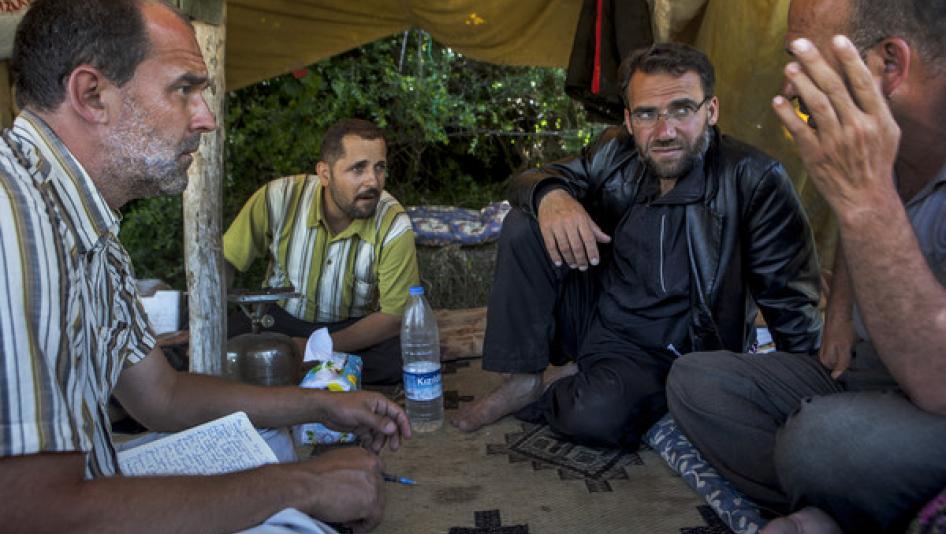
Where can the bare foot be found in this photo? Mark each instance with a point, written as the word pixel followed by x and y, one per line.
pixel 516 391
pixel 805 521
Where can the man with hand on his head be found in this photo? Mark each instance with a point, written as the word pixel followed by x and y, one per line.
pixel 853 440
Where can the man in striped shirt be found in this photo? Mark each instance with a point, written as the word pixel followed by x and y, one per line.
pixel 342 241
pixel 111 92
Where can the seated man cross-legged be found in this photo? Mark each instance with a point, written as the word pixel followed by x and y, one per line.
pixel 340 240
pixel 697 229
pixel 854 441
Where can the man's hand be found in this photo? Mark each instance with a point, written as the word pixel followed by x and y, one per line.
pixel 370 416
pixel 366 332
pixel 568 231
pixel 837 343
pixel 343 486
pixel 348 488
pixel 850 155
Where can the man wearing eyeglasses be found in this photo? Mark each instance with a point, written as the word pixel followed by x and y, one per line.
pixel 662 238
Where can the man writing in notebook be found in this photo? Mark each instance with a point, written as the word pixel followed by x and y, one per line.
pixel 112 110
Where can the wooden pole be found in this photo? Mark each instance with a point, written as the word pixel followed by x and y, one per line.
pixel 203 216
pixel 7 106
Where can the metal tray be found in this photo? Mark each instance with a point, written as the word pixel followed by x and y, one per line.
pixel 273 294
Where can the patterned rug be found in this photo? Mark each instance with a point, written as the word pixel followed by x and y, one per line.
pixel 517 478
pixel 541 447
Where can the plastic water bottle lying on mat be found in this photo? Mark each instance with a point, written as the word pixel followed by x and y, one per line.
pixel 334 371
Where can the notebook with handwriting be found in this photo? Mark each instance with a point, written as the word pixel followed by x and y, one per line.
pixel 220 446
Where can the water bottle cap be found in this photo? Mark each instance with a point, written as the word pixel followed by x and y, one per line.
pixel 416 291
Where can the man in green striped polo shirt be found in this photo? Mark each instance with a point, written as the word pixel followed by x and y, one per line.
pixel 340 240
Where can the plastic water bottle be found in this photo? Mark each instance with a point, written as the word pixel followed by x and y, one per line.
pixel 420 347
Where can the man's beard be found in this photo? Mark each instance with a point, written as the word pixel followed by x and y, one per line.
pixel 350 208
pixel 682 166
pixel 143 159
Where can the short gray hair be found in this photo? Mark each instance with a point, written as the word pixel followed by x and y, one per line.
pixel 922 23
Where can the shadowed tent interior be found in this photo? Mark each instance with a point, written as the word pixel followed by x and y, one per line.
pixel 525 478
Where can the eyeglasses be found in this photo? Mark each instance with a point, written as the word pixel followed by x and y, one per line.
pixel 676 114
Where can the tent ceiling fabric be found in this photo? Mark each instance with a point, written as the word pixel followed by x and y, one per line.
pixel 266 38
pixel 271 37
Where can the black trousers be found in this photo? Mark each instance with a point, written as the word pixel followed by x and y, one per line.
pixel 382 362
pixel 540 314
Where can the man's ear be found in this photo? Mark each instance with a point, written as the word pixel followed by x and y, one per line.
pixel 713 107
pixel 322 170
pixel 896 56
pixel 627 121
pixel 88 93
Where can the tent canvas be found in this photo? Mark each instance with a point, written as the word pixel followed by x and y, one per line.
pixel 271 37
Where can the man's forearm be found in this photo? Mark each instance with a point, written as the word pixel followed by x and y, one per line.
pixel 200 398
pixel 901 302
pixel 148 504
pixel 840 293
pixel 165 400
pixel 366 332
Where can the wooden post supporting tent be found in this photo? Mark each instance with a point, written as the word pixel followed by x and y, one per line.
pixel 203 203
pixel 7 106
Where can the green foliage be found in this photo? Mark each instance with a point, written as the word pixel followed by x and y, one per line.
pixel 457 129
pixel 152 231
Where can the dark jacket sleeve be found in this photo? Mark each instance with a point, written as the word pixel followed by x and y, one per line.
pixel 580 176
pixel 782 265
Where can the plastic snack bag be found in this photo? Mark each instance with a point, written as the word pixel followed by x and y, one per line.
pixel 334 371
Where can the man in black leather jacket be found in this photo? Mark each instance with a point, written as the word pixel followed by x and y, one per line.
pixel 664 237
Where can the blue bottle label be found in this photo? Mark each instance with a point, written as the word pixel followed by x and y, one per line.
pixel 423 386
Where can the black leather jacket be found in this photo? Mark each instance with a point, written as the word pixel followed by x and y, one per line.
pixel 750 244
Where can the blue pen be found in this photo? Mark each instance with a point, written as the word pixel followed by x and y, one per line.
pixel 399 479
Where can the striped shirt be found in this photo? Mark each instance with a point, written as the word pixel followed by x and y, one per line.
pixel 367 267
pixel 70 320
